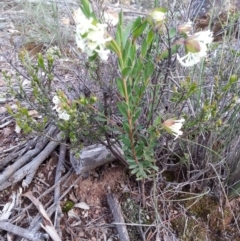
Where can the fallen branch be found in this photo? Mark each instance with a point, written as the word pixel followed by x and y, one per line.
pixel 118 218
pixel 10 170
pixel 91 157
pixel 29 169
pixel 22 232
pixel 59 170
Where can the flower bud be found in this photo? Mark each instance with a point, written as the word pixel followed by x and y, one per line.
pixel 185 28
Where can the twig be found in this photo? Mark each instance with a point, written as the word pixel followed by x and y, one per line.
pixel 24 159
pixel 118 218
pixel 22 232
pixel 58 175
pixel 28 145
pixel 30 168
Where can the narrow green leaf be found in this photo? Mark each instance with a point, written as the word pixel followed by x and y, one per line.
pixel 132 53
pixel 126 127
pixel 150 37
pixel 112 45
pixel 139 30
pixel 120 87
pixel 101 119
pixel 136 23
pixel 126 71
pixel 122 108
pixel 126 33
pixel 137 113
pixel 134 171
pixel 126 50
pixel 166 53
pixel 41 62
pixel 150 69
pixel 133 166
pixel 172 32
pixel 86 8
pixel 144 48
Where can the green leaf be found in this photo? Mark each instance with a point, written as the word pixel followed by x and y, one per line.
pixel 126 127
pixel 144 48
pixel 112 45
pixel 139 30
pixel 172 32
pixel 133 166
pixel 132 54
pixel 126 33
pixel 41 62
pixel 126 50
pixel 136 23
pixel 166 53
pixel 126 141
pixel 93 57
pixel 138 112
pixel 134 171
pixel 150 37
pixel 101 119
pixel 120 87
pixel 123 108
pixel 119 32
pixel 126 71
pixel 86 8
pixel 150 69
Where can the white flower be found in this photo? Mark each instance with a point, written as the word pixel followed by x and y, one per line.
pixel 56 100
pixel 81 42
pixel 64 115
pixel 196 46
pixel 103 53
pixel 174 127
pixel 158 16
pixel 190 59
pixel 204 37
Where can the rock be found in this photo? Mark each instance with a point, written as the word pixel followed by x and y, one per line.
pixel 220 15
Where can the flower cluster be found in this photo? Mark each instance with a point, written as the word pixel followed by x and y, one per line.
pixel 173 127
pixel 158 16
pixel 61 113
pixel 196 47
pixel 91 37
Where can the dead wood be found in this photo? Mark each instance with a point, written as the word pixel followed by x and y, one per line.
pixel 12 175
pixel 18 151
pixel 27 157
pixel 118 217
pixel 22 232
pixel 57 191
pixel 91 157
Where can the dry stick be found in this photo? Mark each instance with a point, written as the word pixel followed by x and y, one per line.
pixel 31 167
pixel 24 159
pixel 37 221
pixel 25 233
pixel 42 195
pixel 35 224
pixel 118 218
pixel 17 152
pixel 57 190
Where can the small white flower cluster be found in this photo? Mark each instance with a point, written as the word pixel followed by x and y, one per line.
pixel 158 16
pixel 90 37
pixel 62 114
pixel 196 46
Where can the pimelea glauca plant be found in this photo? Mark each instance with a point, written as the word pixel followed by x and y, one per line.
pixel 136 48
